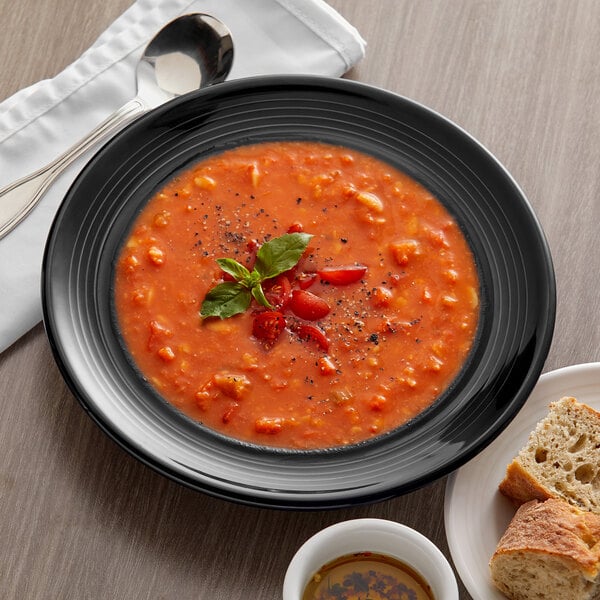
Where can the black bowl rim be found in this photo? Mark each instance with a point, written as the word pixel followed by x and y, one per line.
pixel 276 497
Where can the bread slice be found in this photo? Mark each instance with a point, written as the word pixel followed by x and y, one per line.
pixel 550 550
pixel 560 460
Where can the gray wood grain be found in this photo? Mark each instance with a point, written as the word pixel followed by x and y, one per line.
pixel 81 519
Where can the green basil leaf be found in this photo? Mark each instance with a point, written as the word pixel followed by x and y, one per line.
pixel 273 258
pixel 280 254
pixel 225 300
pixel 259 296
pixel 252 280
pixel 233 268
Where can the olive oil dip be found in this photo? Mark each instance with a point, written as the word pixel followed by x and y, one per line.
pixel 367 576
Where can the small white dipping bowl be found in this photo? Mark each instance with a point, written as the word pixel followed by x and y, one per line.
pixel 371 535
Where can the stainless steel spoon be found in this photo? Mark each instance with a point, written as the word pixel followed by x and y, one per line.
pixel 190 52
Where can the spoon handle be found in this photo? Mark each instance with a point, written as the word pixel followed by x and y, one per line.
pixel 18 198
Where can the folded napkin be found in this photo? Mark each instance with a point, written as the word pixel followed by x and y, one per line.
pixel 40 122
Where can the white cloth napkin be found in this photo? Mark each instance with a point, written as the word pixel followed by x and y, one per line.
pixel 40 122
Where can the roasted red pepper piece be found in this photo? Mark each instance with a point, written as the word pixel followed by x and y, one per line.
pixel 311 333
pixel 342 275
pixel 307 305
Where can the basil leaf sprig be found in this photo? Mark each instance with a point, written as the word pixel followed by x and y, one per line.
pixel 273 258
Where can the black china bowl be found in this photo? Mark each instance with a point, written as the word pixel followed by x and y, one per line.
pixel 518 299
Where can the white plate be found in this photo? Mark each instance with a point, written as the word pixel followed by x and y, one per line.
pixel 475 513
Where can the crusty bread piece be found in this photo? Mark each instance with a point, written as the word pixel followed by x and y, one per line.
pixel 551 551
pixel 560 460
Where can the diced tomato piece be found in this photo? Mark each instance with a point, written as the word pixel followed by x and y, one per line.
pixel 231 384
pixel 312 333
pixel 252 248
pixel 270 425
pixel 307 305
pixel 268 325
pixel 227 277
pixel 381 295
pixel 326 366
pixel 279 292
pixel 158 335
pixel 229 413
pixel 342 275
pixel 295 228
pixel 404 250
pixel 377 402
pixel 305 280
pixel 166 354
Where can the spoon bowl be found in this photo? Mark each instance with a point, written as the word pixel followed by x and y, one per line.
pixel 188 53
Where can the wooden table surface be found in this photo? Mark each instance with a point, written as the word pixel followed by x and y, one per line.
pixel 80 518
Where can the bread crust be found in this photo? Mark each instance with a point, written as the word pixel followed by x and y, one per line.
pixel 520 487
pixel 561 459
pixel 555 528
pixel 550 550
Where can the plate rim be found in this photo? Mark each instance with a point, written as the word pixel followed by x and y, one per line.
pixel 556 378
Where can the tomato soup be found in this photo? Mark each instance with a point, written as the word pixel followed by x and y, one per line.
pixel 369 326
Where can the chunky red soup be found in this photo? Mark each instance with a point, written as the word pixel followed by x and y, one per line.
pixel 361 335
